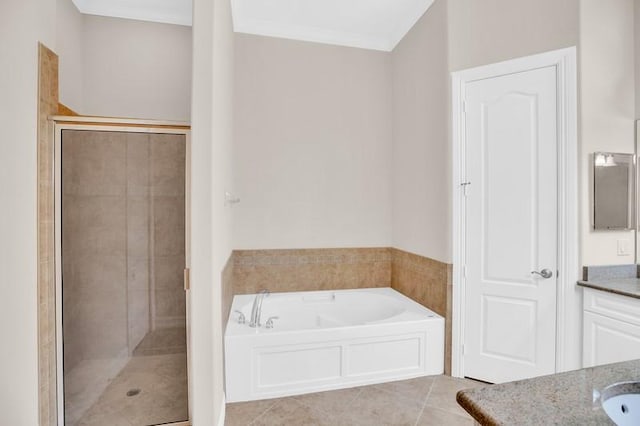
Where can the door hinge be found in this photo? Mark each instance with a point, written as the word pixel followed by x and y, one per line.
pixel 462 349
pixel 464 106
pixel 187 279
pixel 464 271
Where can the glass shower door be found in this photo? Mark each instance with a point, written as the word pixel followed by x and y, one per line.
pixel 123 256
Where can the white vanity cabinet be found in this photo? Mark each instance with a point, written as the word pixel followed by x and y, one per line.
pixel 611 328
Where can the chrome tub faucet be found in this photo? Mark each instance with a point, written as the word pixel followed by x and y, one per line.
pixel 256 311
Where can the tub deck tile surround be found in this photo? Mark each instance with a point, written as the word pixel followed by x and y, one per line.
pixel 310 269
pixel 428 282
pixel 227 290
pixel 422 401
pixel 420 278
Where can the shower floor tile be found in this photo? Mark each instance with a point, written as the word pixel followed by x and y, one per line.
pixel 159 387
pixel 163 341
pixel 424 401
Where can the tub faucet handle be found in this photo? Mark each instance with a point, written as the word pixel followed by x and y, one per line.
pixel 241 317
pixel 269 323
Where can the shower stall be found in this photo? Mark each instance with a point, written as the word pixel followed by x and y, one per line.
pixel 121 303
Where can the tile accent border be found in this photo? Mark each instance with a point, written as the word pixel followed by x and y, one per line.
pixel 311 256
pixel 47 106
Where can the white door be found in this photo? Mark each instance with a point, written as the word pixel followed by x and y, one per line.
pixel 511 226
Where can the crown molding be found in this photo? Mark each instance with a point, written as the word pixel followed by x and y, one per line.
pixel 380 26
pixel 176 12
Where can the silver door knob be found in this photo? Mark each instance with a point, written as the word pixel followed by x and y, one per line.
pixel 545 273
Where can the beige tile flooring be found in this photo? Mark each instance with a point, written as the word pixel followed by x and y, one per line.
pixel 416 402
pixel 162 380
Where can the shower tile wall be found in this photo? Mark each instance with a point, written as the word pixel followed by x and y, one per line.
pixel 168 177
pixel 94 244
pixel 138 236
pixel 123 256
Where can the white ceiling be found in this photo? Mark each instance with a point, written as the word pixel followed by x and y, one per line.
pixel 369 24
pixel 165 11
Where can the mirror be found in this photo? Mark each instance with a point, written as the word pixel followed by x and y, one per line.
pixel 613 191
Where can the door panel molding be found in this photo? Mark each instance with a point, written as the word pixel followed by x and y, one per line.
pixel 564 61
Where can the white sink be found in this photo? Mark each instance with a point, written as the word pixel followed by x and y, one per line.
pixel 621 402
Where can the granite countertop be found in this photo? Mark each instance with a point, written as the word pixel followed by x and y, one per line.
pixel 558 399
pixel 619 279
pixel 624 286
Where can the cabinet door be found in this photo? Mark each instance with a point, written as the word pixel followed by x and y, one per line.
pixel 607 340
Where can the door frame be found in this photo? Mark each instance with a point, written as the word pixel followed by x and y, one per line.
pixel 61 123
pixel 564 60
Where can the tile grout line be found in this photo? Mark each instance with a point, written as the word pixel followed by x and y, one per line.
pixel 355 397
pixel 319 411
pixel 275 402
pixel 294 398
pixel 424 403
pixel 395 392
pixel 454 412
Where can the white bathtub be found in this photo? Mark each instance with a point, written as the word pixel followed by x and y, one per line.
pixel 327 340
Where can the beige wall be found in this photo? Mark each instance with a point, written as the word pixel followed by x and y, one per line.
pixel 453 35
pixel 488 31
pixel 607 108
pixel 211 159
pixel 421 165
pixel 70 34
pixel 136 69
pixel 313 145
pixel 23 23
pixel 122 67
pixel 222 179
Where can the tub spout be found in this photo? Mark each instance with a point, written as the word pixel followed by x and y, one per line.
pixel 256 311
